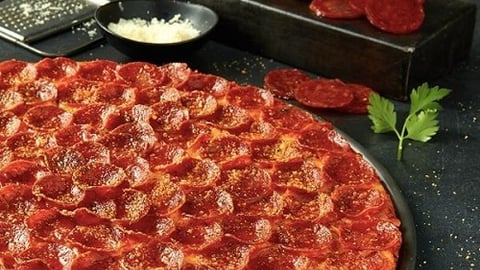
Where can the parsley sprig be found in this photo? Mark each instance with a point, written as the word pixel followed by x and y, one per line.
pixel 422 120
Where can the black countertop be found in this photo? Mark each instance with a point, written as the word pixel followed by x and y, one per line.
pixel 440 179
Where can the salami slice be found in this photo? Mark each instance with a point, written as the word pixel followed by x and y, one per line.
pixel 323 93
pixel 335 9
pixel 360 102
pixel 141 74
pixel 282 82
pixel 395 16
pixel 358 5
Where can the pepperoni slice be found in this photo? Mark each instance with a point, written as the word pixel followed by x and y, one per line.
pixel 215 85
pixel 248 229
pixel 176 73
pixel 28 145
pixel 165 155
pixel 6 155
pixel 282 82
pixel 249 97
pixel 94 114
pixel 373 260
pixel 153 225
pixel 46 256
pixel 238 182
pixel 94 260
pixel 349 169
pixel 321 135
pixel 282 115
pixel 98 70
pixel 232 118
pixel 277 257
pixel 196 173
pixel 199 104
pixel 47 118
pixel 10 100
pixel 73 134
pixel 97 237
pixel 226 254
pixel 137 169
pixel 166 196
pixel 14 72
pixel 153 255
pixel 306 236
pixel 17 202
pixel 141 74
pixel 38 91
pixel 169 115
pixel 278 150
pixel 76 92
pixel 93 152
pixel 152 95
pixel 115 94
pixel 20 171
pixel 335 9
pixel 195 234
pixel 270 205
pixel 9 124
pixel 60 189
pixel 49 225
pixel 56 68
pixel 207 203
pixel 370 235
pixel 225 149
pixel 360 102
pixel 98 174
pixel 129 139
pixel 323 93
pixel 259 130
pixel 15 238
pixel 358 5
pixel 354 201
pixel 301 175
pixel 395 16
pixel 303 206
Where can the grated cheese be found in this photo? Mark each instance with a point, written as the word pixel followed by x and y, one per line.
pixel 155 31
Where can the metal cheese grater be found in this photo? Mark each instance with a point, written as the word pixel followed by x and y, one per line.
pixel 32 20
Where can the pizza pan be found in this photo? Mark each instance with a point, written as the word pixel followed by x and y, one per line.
pixel 408 249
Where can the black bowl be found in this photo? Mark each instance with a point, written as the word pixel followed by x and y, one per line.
pixel 201 17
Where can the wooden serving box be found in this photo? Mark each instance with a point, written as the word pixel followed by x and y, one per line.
pixel 351 50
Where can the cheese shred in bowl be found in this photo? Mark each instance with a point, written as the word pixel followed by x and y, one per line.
pixel 155 31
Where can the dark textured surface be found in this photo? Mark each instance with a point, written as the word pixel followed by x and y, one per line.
pixel 439 179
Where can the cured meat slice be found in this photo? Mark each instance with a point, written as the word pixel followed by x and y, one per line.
pixel 193 234
pixel 130 138
pixel 94 260
pixel 13 72
pixel 14 237
pixel 207 203
pixel 28 145
pixel 153 225
pixel 359 171
pixel 98 70
pixel 10 100
pixel 114 93
pixel 321 135
pixel 5 155
pixel 358 5
pixel 21 172
pixel 38 91
pixel 226 254
pixel 370 235
pixel 282 82
pixel 98 174
pixel 335 9
pixel 282 115
pixel 9 124
pixel 58 189
pixel 270 205
pixel 17 202
pixel 307 206
pixel 176 74
pixel 224 149
pixel 323 93
pixel 73 134
pixel 166 196
pixel 249 97
pixel 47 118
pixel 76 92
pixel 360 102
pixel 136 168
pixel 165 155
pixel 64 160
pixel 215 85
pixel 373 260
pixel 303 175
pixel 232 118
pixel 259 130
pixel 195 173
pixel 354 201
pixel 49 225
pixel 46 256
pixel 93 151
pixel 168 115
pixel 105 238
pixel 141 74
pixel 283 149
pixel 238 182
pixel 153 255
pixel 395 16
pixel 304 236
pixel 277 257
pixel 95 115
pixel 199 104
pixel 251 230
pixel 56 68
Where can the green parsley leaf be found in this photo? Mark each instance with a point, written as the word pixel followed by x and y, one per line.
pixel 421 124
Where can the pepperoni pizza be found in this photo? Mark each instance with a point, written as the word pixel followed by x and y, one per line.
pixel 138 166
